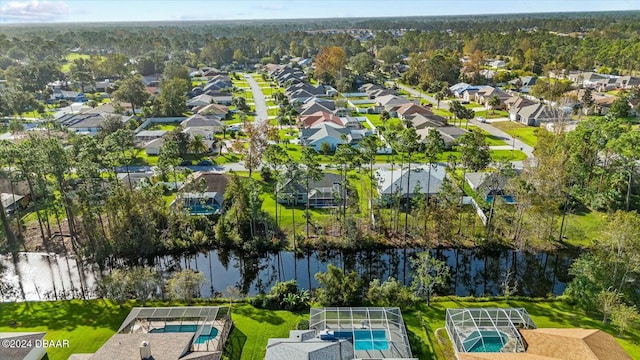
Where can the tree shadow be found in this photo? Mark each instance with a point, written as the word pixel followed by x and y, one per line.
pixel 262 316
pixel 235 344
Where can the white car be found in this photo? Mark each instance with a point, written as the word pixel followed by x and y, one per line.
pixel 481 119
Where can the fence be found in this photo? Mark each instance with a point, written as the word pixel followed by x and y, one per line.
pixel 166 120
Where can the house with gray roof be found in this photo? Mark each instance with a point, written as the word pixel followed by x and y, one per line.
pixel 87 123
pixel 420 181
pixel 332 134
pixel 34 350
pixel 303 344
pixel 448 133
pixel 168 333
pixel 321 192
pixel 211 121
pixel 532 115
pixel 346 333
pixel 487 184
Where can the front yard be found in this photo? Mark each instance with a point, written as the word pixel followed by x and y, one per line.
pixel 526 134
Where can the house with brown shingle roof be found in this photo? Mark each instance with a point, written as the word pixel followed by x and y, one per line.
pixel 409 109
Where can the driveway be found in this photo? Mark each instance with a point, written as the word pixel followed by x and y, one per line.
pixel 258 98
pixel 528 150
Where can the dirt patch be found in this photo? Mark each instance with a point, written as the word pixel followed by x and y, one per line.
pixel 59 241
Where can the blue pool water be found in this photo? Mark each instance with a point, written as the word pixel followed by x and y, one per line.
pixel 485 341
pixel 365 339
pixel 506 198
pixel 203 338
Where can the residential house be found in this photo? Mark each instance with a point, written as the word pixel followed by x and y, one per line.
pixel 405 111
pixel 487 184
pixel 200 100
pixel 532 115
pixel 627 82
pixel 135 179
pixel 73 96
pixel 114 107
pixel 148 135
pixel 602 104
pixel 523 84
pixel 487 92
pixel 153 147
pixel 516 102
pixel 448 133
pixel 321 192
pixel 314 107
pixel 87 123
pixel 380 92
pixel 212 122
pixel 304 344
pixel 420 182
pixel 391 103
pixel 300 96
pixel 28 345
pixel 459 88
pixel 332 134
pixel 586 79
pixel 420 121
pixel 370 87
pixel 469 94
pixel 318 117
pixel 13 202
pixel 212 109
pixel 203 193
pixel 152 80
pixel 220 98
pixel 167 333
pixel 313 90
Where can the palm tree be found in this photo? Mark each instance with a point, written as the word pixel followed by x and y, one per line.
pixel 494 102
pixel 197 145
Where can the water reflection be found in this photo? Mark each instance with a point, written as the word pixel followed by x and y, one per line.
pixel 474 272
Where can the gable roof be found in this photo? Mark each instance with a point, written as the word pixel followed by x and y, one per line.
pixel 420 121
pixel 396 180
pixel 411 108
pixel 319 117
pixel 198 120
pixel 386 100
pixel 214 181
pixel 313 108
pixel 573 344
pixel 534 111
pixel 213 109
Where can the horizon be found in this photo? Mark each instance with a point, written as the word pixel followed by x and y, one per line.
pixel 40 12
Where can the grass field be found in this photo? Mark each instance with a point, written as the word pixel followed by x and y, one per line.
pixel 66 67
pixel 491 114
pixel 89 324
pixel 527 134
pixel 490 140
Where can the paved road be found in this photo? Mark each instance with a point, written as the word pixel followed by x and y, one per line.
pixel 443 105
pixel 487 127
pixel 258 98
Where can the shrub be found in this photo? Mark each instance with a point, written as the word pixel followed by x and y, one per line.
pixel 302 325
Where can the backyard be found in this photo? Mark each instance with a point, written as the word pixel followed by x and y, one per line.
pixel 89 324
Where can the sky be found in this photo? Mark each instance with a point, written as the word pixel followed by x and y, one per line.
pixel 43 11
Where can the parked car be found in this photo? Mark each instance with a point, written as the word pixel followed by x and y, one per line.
pixel 481 119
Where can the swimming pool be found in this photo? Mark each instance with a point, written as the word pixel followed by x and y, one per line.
pixel 485 341
pixel 506 198
pixel 365 339
pixel 203 338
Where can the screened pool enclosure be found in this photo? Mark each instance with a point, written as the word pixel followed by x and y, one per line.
pixel 209 324
pixel 487 329
pixel 376 332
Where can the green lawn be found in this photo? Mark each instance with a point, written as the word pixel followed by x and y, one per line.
pixel 66 67
pixel 491 114
pixel 164 126
pixel 507 155
pixel 490 140
pixel 527 134
pixel 473 105
pixel 89 324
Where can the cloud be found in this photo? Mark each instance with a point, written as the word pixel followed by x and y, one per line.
pixel 33 11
